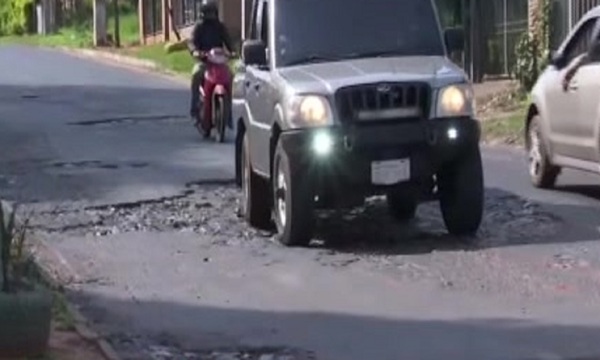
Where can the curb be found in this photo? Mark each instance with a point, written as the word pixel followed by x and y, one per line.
pixel 82 328
pixel 124 61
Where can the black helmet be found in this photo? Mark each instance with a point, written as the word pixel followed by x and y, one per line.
pixel 210 10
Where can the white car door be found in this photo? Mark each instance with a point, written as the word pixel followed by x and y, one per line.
pixel 563 107
pixel 587 84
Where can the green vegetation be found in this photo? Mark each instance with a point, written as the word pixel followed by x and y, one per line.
pixel 65 37
pixel 129 28
pixel 79 34
pixel 13 16
pixel 532 49
pixel 503 117
pixel 506 128
pixel 180 62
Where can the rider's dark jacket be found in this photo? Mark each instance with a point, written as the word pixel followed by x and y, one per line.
pixel 209 34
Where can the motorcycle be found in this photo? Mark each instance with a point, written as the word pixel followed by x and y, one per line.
pixel 215 109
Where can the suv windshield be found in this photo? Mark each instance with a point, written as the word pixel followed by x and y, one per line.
pixel 321 30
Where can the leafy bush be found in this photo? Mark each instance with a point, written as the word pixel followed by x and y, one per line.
pixel 532 49
pixel 13 18
pixel 531 61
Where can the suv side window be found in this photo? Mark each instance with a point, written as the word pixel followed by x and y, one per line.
pixel 263 22
pixel 580 43
pixel 253 31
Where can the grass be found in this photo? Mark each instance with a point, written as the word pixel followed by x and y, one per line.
pixel 180 62
pixel 129 28
pixel 503 118
pixel 505 128
pixel 73 37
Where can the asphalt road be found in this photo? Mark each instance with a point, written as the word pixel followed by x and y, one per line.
pixel 139 221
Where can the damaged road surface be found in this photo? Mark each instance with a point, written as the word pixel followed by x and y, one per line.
pixel 138 217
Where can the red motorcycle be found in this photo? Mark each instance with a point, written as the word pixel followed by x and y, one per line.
pixel 215 111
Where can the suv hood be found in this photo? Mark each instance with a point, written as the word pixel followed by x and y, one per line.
pixel 328 77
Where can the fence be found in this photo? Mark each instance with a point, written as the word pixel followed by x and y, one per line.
pixel 189 12
pixel 493 28
pixel 510 22
pixel 565 15
pixel 152 12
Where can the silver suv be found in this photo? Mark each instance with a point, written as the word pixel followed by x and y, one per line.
pixel 338 100
pixel 563 121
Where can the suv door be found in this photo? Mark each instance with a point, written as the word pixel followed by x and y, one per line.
pixel 258 93
pixel 563 106
pixel 587 84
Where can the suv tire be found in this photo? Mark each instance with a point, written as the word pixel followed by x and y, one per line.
pixel 255 192
pixel 293 203
pixel 541 172
pixel 461 192
pixel 402 205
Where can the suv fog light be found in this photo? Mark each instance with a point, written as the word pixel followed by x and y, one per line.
pixel 452 134
pixel 322 143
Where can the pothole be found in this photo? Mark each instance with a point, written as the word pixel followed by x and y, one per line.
pixel 164 347
pixel 213 210
pixel 129 119
pixel 97 164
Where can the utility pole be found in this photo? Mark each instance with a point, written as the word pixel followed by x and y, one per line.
pixel 117 25
pixel 100 22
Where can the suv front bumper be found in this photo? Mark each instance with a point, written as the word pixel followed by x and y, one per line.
pixel 344 165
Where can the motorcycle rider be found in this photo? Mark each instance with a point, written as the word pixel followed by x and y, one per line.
pixel 208 33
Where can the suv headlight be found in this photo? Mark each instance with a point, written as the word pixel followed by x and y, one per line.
pixel 309 111
pixel 455 100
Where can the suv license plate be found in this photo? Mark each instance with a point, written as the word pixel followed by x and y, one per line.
pixel 390 172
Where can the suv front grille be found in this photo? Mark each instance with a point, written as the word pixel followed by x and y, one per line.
pixel 383 101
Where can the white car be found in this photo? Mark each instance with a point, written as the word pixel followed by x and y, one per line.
pixel 563 121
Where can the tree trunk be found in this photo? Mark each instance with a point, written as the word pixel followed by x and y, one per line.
pixel 100 21
pixel 534 15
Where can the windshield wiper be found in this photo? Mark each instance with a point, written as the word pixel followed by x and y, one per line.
pixel 313 58
pixel 370 54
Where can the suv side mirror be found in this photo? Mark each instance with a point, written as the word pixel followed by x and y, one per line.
pixel 455 39
pixel 556 59
pixel 254 52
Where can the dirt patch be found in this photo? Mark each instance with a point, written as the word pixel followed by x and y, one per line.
pixel 506 99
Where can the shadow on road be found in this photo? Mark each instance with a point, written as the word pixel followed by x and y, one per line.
pixel 143 324
pixel 509 220
pixel 591 191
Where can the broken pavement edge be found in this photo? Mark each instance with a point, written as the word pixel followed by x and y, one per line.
pixel 47 265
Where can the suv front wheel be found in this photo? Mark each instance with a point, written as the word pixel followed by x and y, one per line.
pixel 542 173
pixel 293 202
pixel 255 192
pixel 461 193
